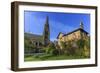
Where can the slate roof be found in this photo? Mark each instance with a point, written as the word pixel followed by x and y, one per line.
pixel 34 36
pixel 82 30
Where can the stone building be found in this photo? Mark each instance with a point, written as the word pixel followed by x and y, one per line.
pixel 39 41
pixel 36 40
pixel 75 35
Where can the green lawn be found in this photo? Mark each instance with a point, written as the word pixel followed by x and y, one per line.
pixel 51 57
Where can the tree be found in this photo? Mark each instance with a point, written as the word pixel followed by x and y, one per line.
pixel 51 49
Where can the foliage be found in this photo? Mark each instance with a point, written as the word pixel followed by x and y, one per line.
pixel 87 48
pixel 83 47
pixel 27 43
pixel 88 43
pixel 28 46
pixel 63 45
pixel 81 43
pixel 68 48
pixel 79 47
pixel 51 49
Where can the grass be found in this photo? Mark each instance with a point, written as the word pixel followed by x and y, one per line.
pixel 51 57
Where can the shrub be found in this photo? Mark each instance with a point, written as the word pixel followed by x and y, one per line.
pixel 51 49
pixel 55 52
pixel 63 45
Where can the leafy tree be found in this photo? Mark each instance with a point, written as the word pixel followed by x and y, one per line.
pixel 51 49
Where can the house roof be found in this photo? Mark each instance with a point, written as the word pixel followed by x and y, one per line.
pixel 74 31
pixel 59 34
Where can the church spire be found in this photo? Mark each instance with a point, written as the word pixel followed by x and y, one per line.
pixel 81 25
pixel 46 33
pixel 47 20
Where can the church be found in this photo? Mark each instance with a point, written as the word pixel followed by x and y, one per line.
pixel 74 35
pixel 40 40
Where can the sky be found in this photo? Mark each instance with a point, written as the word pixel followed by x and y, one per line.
pixel 34 22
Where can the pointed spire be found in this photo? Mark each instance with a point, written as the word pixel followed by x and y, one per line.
pixel 47 20
pixel 81 25
pixel 46 33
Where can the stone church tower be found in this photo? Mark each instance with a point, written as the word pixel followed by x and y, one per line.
pixel 46 33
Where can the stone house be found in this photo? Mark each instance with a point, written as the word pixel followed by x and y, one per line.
pixel 73 36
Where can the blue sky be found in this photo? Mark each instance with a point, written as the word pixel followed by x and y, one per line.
pixel 58 22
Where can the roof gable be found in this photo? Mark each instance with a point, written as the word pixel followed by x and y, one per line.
pixel 60 34
pixel 79 29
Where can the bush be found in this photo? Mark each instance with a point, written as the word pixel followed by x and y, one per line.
pixel 63 45
pixel 51 49
pixel 55 52
pixel 84 47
